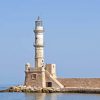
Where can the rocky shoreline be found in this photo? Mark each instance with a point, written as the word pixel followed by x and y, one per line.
pixel 25 89
pixel 30 89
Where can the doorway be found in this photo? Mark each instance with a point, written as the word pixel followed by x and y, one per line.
pixel 49 84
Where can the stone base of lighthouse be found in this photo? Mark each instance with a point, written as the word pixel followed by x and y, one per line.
pixel 42 77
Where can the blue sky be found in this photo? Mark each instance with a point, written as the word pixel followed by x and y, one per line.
pixel 72 37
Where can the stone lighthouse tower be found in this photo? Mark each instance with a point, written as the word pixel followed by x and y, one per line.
pixel 39 44
pixel 40 75
pixel 35 77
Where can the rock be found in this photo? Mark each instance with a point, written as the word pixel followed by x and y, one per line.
pixel 48 90
pixel 29 89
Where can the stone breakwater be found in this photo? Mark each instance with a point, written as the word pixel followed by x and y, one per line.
pixel 31 89
pixel 51 90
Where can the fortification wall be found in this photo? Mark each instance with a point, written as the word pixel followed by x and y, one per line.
pixel 80 82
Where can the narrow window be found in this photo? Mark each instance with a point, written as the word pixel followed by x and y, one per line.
pixel 33 76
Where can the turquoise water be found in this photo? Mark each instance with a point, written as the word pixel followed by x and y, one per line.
pixel 45 96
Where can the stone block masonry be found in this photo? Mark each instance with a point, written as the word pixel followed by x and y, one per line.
pixel 42 75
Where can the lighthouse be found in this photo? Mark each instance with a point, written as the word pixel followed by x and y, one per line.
pixel 41 75
pixel 39 43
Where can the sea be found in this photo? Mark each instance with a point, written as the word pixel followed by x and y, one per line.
pixel 46 96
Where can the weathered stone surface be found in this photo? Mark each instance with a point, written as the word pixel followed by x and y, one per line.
pixel 80 82
pixel 51 90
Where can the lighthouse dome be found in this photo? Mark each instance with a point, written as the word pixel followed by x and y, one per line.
pixel 27 64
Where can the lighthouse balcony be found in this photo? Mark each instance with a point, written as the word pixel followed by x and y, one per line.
pixel 38 45
pixel 38 31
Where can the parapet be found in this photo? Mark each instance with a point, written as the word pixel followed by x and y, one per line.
pixel 51 68
pixel 27 67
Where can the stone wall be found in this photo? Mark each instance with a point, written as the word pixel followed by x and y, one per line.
pixel 54 81
pixel 51 68
pixel 32 80
pixel 80 82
